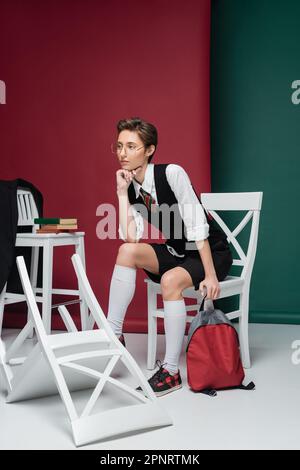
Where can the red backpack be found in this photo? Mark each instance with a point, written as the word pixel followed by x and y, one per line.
pixel 212 353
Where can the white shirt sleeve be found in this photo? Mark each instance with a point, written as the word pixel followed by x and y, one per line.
pixel 139 221
pixel 190 208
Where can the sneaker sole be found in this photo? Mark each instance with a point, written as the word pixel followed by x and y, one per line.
pixel 165 392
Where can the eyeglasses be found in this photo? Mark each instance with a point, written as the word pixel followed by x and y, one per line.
pixel 130 149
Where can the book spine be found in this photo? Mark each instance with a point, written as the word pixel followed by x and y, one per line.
pixel 58 226
pixel 68 221
pixel 54 221
pixel 42 220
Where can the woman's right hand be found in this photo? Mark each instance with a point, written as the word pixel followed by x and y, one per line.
pixel 123 179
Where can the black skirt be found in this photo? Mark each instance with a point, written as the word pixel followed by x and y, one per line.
pixel 221 255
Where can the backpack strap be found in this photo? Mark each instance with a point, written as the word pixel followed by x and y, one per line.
pixel 209 391
pixel 213 393
pixel 250 386
pixel 202 302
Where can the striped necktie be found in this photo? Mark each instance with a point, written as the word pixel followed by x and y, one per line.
pixel 148 199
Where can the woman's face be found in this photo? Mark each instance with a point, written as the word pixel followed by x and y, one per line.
pixel 131 151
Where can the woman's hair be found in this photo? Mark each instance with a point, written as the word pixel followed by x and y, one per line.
pixel 146 131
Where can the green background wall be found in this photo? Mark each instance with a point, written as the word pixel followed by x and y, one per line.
pixel 255 138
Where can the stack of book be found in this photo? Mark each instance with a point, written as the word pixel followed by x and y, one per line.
pixel 55 225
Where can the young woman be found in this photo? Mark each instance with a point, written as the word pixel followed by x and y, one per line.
pixel 199 257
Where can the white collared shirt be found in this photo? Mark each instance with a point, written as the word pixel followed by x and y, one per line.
pixel 190 209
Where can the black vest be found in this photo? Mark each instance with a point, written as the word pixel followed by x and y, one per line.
pixel 166 197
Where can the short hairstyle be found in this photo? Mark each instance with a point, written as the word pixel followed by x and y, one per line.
pixel 146 131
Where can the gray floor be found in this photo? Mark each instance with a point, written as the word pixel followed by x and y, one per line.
pixel 267 418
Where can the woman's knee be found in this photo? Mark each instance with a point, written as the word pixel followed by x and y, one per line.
pixel 174 281
pixel 170 282
pixel 127 252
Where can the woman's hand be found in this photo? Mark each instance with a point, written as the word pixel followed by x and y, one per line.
pixel 123 179
pixel 211 284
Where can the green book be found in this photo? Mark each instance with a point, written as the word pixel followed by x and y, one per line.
pixel 54 221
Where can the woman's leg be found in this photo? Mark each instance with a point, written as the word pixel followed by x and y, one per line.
pixel 122 287
pixel 138 255
pixel 173 282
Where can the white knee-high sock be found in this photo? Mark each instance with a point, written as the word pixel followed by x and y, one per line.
pixel 122 288
pixel 174 322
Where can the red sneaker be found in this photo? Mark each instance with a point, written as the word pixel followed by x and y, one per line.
pixel 162 382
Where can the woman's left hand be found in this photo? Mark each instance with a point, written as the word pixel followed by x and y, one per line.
pixel 211 284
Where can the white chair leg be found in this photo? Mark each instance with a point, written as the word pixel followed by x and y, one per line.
pixel 47 285
pixel 2 297
pixel 243 329
pixel 83 306
pixel 33 277
pixel 152 327
pixel 5 369
pixel 67 319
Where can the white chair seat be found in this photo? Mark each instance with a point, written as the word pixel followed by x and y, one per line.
pixel 50 235
pixel 60 340
pixel 230 282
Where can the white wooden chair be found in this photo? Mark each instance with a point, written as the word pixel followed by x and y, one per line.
pixel 232 285
pixel 27 212
pixel 65 362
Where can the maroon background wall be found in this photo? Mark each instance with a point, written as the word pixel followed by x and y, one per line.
pixel 72 69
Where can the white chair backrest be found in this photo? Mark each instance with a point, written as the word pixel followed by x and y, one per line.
pixel 250 202
pixel 34 312
pixel 27 210
pixel 97 315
